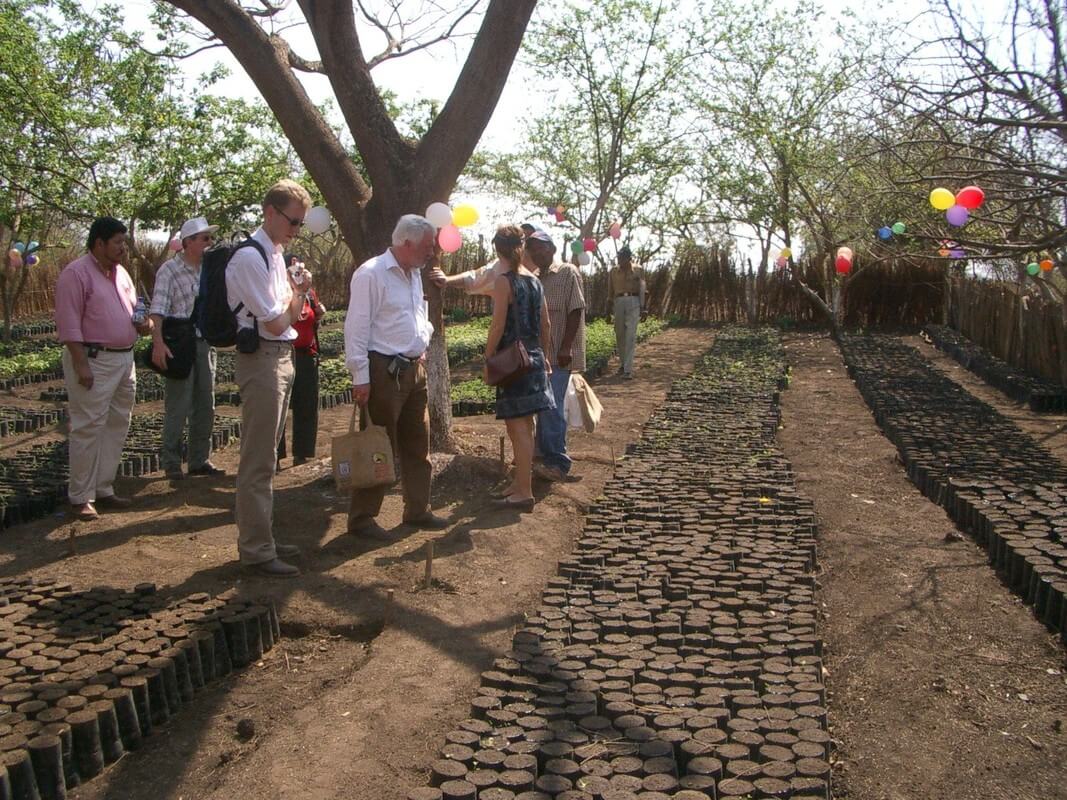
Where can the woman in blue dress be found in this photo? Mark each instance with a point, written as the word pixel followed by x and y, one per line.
pixel 519 311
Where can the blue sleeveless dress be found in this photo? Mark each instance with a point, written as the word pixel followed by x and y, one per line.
pixel 532 392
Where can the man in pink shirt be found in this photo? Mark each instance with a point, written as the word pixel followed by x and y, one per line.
pixel 95 300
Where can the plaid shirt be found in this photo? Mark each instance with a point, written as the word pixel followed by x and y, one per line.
pixel 177 285
pixel 563 294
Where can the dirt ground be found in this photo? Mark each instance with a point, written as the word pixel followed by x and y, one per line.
pixel 373 670
pixel 942 683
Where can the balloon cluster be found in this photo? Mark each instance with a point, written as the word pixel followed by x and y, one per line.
pixel 957 207
pixel 22 253
pixel 556 211
pixel 582 248
pixel 887 232
pixel 950 249
pixel 448 221
pixel 783 258
pixel 1046 264
pixel 843 262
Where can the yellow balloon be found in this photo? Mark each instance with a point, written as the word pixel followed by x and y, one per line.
pixel 464 215
pixel 786 252
pixel 942 199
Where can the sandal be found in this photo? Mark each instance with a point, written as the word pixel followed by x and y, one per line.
pixel 514 505
pixel 500 494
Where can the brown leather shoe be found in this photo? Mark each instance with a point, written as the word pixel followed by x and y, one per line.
pixel 114 502
pixel 428 521
pixel 372 530
pixel 275 568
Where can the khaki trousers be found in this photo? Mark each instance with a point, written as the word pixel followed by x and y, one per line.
pixel 627 314
pixel 265 379
pixel 99 422
pixel 400 407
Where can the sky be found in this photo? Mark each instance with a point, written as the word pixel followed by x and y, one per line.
pixel 432 73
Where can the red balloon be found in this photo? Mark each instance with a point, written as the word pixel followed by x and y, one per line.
pixel 589 245
pixel 970 197
pixel 843 265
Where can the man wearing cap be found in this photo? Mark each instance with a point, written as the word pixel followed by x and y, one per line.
pixel 566 309
pixel 95 302
pixel 627 284
pixel 192 398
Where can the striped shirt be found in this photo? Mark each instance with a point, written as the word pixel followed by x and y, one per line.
pixel 177 284
pixel 563 294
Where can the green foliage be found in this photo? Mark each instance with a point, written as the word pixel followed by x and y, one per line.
pixel 47 359
pixel 334 377
pixel 599 347
pixel 613 147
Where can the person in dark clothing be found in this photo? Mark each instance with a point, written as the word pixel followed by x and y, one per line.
pixel 305 398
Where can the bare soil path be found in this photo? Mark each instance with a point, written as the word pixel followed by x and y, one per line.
pixel 373 669
pixel 943 684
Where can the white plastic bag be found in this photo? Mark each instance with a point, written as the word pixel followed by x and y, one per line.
pixel 572 408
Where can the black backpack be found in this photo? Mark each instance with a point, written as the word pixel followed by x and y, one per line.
pixel 214 317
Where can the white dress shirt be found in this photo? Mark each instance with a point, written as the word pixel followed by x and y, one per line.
pixel 264 291
pixel 387 313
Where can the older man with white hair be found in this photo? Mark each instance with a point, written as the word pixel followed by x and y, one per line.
pixel 387 331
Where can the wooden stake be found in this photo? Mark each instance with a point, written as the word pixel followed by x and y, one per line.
pixel 429 564
pixel 612 455
pixel 503 466
pixel 72 540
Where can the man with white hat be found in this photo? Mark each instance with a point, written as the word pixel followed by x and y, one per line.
pixel 193 398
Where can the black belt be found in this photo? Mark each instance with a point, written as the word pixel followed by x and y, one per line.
pixel 403 359
pixel 627 294
pixel 103 349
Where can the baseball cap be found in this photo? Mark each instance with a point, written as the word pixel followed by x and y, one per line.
pixel 195 226
pixel 624 252
pixel 541 236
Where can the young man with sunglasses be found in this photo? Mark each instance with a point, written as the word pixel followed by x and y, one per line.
pixel 193 398
pixel 269 299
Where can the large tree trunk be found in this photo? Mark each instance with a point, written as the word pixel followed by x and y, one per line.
pixel 403 176
pixel 438 378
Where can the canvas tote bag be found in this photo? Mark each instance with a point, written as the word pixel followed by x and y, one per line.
pixel 364 458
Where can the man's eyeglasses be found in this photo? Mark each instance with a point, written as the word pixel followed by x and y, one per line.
pixel 296 223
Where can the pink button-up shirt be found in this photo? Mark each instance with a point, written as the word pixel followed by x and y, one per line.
pixel 91 308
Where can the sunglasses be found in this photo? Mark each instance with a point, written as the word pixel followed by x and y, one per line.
pixel 296 223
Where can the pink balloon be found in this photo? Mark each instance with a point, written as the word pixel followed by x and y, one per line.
pixel 615 230
pixel 559 216
pixel 175 244
pixel 450 238
pixel 780 262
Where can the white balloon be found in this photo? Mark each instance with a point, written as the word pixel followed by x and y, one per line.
pixel 439 214
pixel 318 220
pixel 585 260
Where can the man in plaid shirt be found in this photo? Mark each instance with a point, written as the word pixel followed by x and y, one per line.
pixel 193 398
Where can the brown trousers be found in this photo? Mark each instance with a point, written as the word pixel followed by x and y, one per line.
pixel 400 407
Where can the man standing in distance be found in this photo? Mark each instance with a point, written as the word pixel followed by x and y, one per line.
pixel 95 300
pixel 193 398
pixel 627 284
pixel 387 331
pixel 566 308
pixel 265 298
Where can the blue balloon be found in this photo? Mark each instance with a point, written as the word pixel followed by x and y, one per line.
pixel 20 247
pixel 33 245
pixel 885 233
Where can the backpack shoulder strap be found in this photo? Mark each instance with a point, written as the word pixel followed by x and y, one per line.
pixel 250 242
